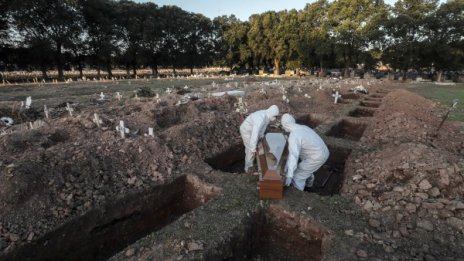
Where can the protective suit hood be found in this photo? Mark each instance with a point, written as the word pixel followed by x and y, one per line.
pixel 288 122
pixel 272 112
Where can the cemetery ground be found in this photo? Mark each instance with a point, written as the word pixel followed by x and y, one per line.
pixel 444 94
pixel 72 188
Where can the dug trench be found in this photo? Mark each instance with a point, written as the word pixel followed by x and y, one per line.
pixel 370 104
pixel 231 160
pixel 362 112
pixel 103 232
pixel 276 234
pixel 328 179
pixel 348 129
pixel 311 120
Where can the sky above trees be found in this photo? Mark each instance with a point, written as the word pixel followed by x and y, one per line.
pixel 242 9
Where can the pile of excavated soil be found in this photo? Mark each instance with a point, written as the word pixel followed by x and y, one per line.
pixel 411 183
pixel 68 166
pixel 407 117
pixel 52 174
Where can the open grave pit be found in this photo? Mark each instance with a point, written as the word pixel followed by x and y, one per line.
pixel 348 129
pixel 350 96
pixel 367 99
pixel 328 180
pixel 102 232
pixel 370 104
pixel 231 160
pixel 276 234
pixel 311 120
pixel 362 112
pixel 377 95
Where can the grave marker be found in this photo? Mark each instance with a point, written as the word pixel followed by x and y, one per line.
pixel 118 96
pixel 122 130
pixel 97 120
pixel 102 96
pixel 28 102
pixel 46 111
pixel 241 106
pixel 285 99
pixel 336 96
pixel 69 109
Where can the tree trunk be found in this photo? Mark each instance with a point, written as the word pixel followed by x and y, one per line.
pixel 439 75
pixel 98 71
pixel 191 70
pixel 277 66
pixel 108 68
pixel 44 73
pixel 152 71
pixel 346 72
pixel 134 69
pixel 59 61
pixel 156 69
pixel 81 73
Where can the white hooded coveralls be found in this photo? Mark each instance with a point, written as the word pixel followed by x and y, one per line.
pixel 253 128
pixel 304 144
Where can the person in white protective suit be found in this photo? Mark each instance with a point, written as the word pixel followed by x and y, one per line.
pixel 303 144
pixel 253 128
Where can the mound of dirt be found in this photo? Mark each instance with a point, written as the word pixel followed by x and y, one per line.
pixel 54 174
pixel 410 182
pixel 407 117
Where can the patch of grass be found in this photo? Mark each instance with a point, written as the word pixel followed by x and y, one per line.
pixel 444 95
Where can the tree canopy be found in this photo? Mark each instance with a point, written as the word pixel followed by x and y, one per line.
pixel 345 34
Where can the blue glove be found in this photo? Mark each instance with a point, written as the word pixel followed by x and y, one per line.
pixel 288 181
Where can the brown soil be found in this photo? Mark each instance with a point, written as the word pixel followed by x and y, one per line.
pixel 69 174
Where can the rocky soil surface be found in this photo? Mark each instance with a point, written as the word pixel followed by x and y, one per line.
pixel 405 181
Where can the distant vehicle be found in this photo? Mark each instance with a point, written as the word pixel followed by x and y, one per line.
pixel 334 73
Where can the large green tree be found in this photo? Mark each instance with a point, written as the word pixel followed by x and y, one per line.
pixel 102 34
pixel 132 18
pixel 444 44
pixel 350 24
pixel 198 44
pixel 174 33
pixel 406 33
pixel 48 21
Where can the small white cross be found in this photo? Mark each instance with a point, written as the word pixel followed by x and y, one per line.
pixel 102 96
pixel 241 106
pixel 69 109
pixel 46 111
pixel 122 130
pixel 97 120
pixel 285 99
pixel 28 102
pixel 118 96
pixel 150 132
pixel 336 96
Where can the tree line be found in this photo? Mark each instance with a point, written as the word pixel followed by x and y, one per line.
pixel 108 34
